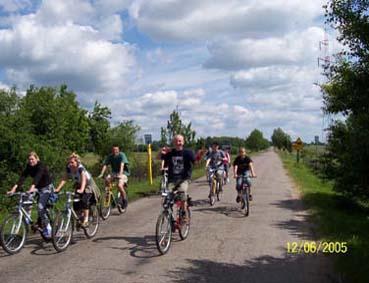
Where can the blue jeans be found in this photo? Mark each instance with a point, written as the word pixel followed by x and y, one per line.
pixel 240 179
pixel 43 194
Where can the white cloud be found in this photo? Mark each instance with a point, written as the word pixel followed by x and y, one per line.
pixel 292 49
pixel 177 20
pixel 60 51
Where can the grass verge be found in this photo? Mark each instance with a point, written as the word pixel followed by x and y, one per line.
pixel 338 219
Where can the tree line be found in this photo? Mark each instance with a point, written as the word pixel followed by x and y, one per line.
pixel 50 121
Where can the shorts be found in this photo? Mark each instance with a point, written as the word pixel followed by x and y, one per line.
pixel 181 186
pixel 121 178
pixel 86 200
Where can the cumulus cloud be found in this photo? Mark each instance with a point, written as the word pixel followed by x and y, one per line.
pixel 50 47
pixel 291 49
pixel 275 77
pixel 178 20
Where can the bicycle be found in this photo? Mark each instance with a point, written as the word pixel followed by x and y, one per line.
pixel 169 221
pixel 245 196
pixel 214 186
pixel 68 219
pixel 109 201
pixel 15 227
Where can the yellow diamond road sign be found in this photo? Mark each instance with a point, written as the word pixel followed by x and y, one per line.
pixel 298 144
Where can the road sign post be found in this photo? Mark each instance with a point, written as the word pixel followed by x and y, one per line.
pixel 298 145
pixel 149 163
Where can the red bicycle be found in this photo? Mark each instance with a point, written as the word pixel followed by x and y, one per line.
pixel 172 218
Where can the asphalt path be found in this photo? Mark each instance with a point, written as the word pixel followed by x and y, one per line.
pixel 223 245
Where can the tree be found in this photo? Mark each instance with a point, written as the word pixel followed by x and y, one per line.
pixel 174 127
pixel 281 140
pixel 123 135
pixel 99 126
pixel 347 93
pixel 255 141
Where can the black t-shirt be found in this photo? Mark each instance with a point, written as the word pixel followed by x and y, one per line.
pixel 39 173
pixel 243 164
pixel 180 164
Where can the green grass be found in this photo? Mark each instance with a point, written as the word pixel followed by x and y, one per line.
pixel 337 218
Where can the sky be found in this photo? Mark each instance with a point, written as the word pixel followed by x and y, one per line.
pixel 227 66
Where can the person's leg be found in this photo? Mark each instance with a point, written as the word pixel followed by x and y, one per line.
pixel 41 208
pixel 85 201
pixel 183 187
pixel 220 178
pixel 238 188
pixel 122 180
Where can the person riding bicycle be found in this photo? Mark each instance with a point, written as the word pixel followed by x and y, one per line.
pixel 227 163
pixel 180 163
pixel 119 167
pixel 243 167
pixel 85 186
pixel 215 161
pixel 42 183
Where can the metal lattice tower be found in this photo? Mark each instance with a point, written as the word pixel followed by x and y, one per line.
pixel 324 61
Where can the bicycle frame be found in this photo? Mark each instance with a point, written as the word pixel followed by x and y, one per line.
pixel 19 209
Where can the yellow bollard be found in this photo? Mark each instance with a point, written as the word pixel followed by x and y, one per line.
pixel 149 155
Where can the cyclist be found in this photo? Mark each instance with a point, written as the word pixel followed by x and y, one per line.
pixel 119 166
pixel 42 183
pixel 180 163
pixel 84 185
pixel 227 163
pixel 243 167
pixel 215 160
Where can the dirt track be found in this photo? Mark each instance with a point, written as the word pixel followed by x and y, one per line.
pixel 223 246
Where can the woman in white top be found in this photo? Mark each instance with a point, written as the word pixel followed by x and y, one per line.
pixel 84 186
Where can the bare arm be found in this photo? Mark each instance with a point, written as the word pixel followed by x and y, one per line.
pixel 62 183
pixel 102 171
pixel 121 168
pixel 252 170
pixel 235 167
pixel 83 183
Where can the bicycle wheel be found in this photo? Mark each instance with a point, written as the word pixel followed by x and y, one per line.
pixel 212 192
pixel 218 192
pixel 122 208
pixel 93 219
pixel 245 201
pixel 163 232
pixel 184 226
pixel 105 204
pixel 62 231
pixel 13 233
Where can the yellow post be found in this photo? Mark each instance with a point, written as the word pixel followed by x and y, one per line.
pixel 149 155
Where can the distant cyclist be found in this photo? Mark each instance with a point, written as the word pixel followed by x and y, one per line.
pixel 180 163
pixel 120 172
pixel 215 160
pixel 227 163
pixel 42 183
pixel 243 167
pixel 84 186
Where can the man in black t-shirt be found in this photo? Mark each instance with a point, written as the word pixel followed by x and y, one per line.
pixel 180 163
pixel 243 167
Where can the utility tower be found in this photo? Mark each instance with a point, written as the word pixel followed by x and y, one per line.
pixel 324 61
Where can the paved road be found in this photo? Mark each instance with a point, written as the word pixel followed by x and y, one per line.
pixel 223 246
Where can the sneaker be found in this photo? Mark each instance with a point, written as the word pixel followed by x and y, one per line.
pixel 189 201
pixel 250 197
pixel 238 199
pixel 46 232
